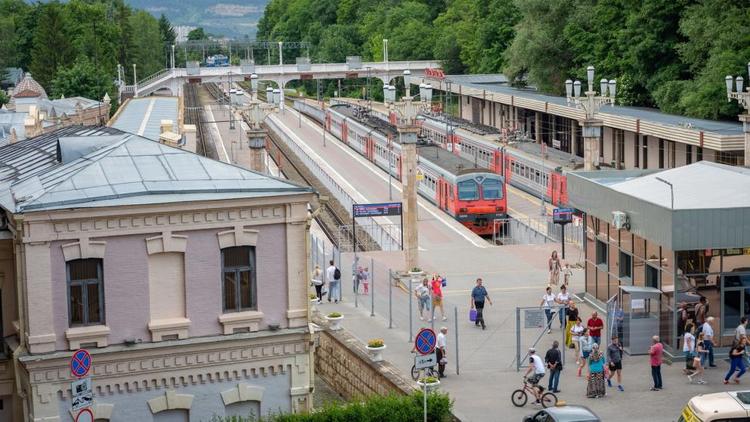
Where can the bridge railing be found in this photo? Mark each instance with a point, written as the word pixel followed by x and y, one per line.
pixel 158 75
pixel 383 233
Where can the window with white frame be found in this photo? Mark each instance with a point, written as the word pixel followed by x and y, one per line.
pixel 85 292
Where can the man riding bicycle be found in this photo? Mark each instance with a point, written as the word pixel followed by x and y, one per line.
pixel 536 366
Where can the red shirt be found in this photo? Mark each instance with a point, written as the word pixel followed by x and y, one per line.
pixel 437 285
pixel 595 326
pixel 656 353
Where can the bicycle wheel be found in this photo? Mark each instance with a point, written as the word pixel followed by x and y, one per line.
pixel 414 373
pixel 519 398
pixel 549 400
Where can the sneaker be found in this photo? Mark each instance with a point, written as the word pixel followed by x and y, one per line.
pixel 701 382
pixel 654 389
pixel 609 383
pixel 549 331
pixel 421 318
pixel 557 391
pixel 445 318
pixel 619 387
pixel 726 382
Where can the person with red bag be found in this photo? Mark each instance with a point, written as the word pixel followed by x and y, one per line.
pixel 478 296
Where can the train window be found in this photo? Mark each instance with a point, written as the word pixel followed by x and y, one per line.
pixel 468 190
pixel 492 189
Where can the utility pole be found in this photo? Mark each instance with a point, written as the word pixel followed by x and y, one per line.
pixel 591 103
pixel 135 82
pixel 408 134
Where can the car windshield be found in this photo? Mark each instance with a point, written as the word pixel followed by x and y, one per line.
pixel 492 189
pixel 468 190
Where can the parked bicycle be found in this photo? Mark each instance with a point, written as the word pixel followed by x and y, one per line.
pixel 428 372
pixel 521 396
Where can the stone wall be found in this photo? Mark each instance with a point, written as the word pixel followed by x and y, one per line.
pixel 341 360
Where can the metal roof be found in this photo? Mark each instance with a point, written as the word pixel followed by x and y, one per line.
pixel 79 167
pixel 642 113
pixel 143 116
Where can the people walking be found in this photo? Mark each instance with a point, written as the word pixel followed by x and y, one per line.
pixel 333 274
pixel 697 366
pixel 548 301
pixel 575 339
pixel 614 359
pixel 316 279
pixel 554 268
pixel 437 296
pixel 573 320
pixel 737 363
pixel 701 312
pixel 563 298
pixel 422 292
pixel 586 345
pixel 366 280
pixel 567 274
pixel 595 325
pixel 595 387
pixel 708 342
pixel 656 353
pixel 441 349
pixel 357 280
pixel 688 349
pixel 553 360
pixel 478 296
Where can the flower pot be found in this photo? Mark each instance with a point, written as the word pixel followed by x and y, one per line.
pixel 335 323
pixel 376 353
pixel 314 304
pixel 431 386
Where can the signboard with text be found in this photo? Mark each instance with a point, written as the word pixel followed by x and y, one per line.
pixel 562 215
pixel 376 210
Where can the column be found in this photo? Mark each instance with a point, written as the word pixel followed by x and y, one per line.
pixel 537 128
pixel 745 119
pixel 592 130
pixel 41 329
pixel 573 137
pixel 256 139
pixel 408 136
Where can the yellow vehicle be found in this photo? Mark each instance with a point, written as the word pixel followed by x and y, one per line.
pixel 729 406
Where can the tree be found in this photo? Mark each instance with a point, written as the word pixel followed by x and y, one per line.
pixel 168 35
pixel 146 50
pixel 52 48
pixel 197 34
pixel 83 79
pixel 3 98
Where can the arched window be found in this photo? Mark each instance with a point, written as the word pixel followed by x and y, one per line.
pixel 239 278
pixel 85 292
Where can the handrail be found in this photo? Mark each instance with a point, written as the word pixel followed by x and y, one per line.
pixel 147 80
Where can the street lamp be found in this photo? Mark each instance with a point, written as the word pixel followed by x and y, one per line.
pixel 743 99
pixel 254 85
pixel 407 73
pixel 269 95
pixel 591 104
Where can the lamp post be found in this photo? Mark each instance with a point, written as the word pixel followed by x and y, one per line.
pixel 135 83
pixel 254 86
pixel 591 104
pixel 407 73
pixel 743 98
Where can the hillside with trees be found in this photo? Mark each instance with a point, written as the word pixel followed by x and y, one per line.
pixel 73 48
pixel 667 54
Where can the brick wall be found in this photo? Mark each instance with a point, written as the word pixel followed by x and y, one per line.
pixel 342 361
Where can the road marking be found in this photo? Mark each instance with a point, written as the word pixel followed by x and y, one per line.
pixel 378 172
pixel 147 116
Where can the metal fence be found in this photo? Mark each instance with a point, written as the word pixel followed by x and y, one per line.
pixel 525 231
pixel 378 229
pixel 345 239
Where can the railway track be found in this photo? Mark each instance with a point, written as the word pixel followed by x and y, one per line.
pixel 194 116
pixel 333 219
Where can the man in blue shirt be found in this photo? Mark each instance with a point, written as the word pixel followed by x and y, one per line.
pixel 478 296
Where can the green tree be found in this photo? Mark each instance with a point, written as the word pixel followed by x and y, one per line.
pixel 83 79
pixel 197 34
pixel 52 48
pixel 146 50
pixel 168 35
pixel 3 98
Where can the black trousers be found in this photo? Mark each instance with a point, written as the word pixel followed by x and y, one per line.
pixel 441 367
pixel 319 291
pixel 656 375
pixel 480 312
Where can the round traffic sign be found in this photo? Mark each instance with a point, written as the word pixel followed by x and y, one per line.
pixel 425 341
pixel 85 415
pixel 80 363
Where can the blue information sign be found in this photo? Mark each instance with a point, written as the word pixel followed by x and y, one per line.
pixel 425 341
pixel 80 363
pixel 562 215
pixel 376 210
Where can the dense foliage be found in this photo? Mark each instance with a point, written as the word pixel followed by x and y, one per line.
pixel 373 409
pixel 667 54
pixel 73 48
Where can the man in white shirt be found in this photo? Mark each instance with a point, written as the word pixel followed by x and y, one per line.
pixel 548 301
pixel 537 366
pixel 563 298
pixel 333 282
pixel 441 349
pixel 708 343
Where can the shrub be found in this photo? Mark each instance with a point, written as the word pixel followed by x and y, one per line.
pixel 416 270
pixel 376 342
pixel 428 380
pixel 334 315
pixel 313 296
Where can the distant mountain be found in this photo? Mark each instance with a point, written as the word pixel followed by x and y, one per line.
pixel 218 17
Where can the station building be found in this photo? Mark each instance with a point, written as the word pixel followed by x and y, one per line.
pixel 631 137
pixel 184 277
pixel 682 233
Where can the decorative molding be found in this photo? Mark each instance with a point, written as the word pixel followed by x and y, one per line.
pixel 243 392
pixel 88 334
pixel 167 327
pixel 83 249
pixel 234 320
pixel 238 236
pixel 170 400
pixel 166 242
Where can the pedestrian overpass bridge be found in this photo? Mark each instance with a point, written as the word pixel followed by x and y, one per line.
pixel 172 79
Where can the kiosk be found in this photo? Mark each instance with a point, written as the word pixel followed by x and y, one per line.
pixel 637 319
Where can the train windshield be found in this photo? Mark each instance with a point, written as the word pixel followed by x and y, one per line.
pixel 468 190
pixel 492 189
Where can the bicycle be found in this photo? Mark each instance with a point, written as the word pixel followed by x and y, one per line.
pixel 521 396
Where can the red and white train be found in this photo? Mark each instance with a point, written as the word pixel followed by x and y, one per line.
pixel 475 196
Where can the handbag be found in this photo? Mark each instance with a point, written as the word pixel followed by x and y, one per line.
pixel 324 290
pixel 444 282
pixel 472 315
pixel 444 361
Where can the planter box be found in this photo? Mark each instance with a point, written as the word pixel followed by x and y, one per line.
pixel 376 352
pixel 335 322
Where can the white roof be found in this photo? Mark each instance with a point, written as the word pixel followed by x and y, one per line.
pixel 702 185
